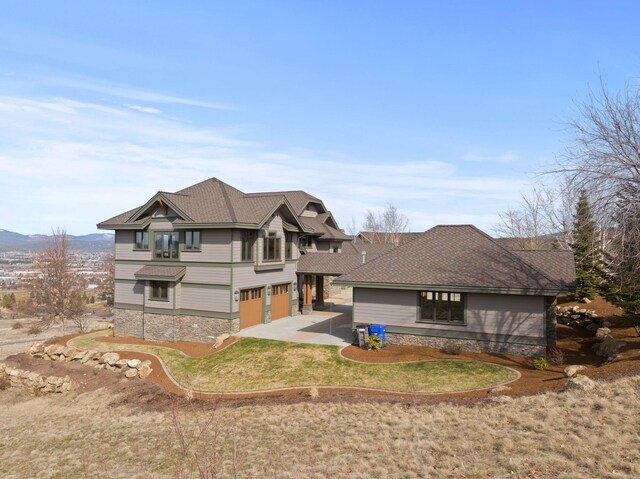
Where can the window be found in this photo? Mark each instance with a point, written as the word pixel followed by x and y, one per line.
pixel 167 245
pixel 160 290
pixel 288 246
pixel 305 242
pixel 441 307
pixel 192 240
pixel 271 247
pixel 142 240
pixel 248 238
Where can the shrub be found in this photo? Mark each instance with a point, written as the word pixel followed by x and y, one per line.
pixel 540 363
pixel 17 325
pixel 555 355
pixel 374 342
pixel 34 330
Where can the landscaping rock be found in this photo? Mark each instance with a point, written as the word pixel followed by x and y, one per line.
pixel 593 327
pixel 134 363
pixel 585 300
pixel 219 340
pixel 109 358
pixel 601 333
pixel 122 363
pixel 571 371
pixel 144 370
pixel 609 347
pixel 579 383
pixel 131 373
pixel 36 348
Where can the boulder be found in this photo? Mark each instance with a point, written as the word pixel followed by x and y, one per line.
pixel 109 359
pixel 122 363
pixel 593 327
pixel 144 370
pixel 131 373
pixel 36 348
pixel 585 300
pixel 571 371
pixel 219 340
pixel 606 324
pixel 602 332
pixel 609 347
pixel 579 383
pixel 3 367
pixel 88 356
pixel 134 363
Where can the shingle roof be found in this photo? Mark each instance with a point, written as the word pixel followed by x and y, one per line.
pixel 330 264
pixel 372 250
pixel 325 231
pixel 161 272
pixel 557 264
pixel 298 199
pixel 458 256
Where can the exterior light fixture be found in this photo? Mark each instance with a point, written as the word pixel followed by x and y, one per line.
pixel 269 290
pixel 236 295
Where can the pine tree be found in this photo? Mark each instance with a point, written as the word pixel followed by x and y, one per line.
pixel 585 249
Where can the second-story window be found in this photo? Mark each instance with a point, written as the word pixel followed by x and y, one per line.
pixel 288 246
pixel 248 238
pixel 166 245
pixel 271 247
pixel 142 240
pixel 192 240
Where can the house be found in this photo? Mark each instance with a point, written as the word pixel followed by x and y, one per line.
pixel 210 259
pixel 457 286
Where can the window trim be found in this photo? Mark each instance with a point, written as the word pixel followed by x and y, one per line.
pixel 277 247
pixel 288 246
pixel 171 256
pixel 192 248
pixel 247 238
pixel 143 233
pixel 463 300
pixel 153 284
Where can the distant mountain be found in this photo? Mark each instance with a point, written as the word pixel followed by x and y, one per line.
pixel 10 240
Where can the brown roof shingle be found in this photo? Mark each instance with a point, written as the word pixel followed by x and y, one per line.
pixel 459 256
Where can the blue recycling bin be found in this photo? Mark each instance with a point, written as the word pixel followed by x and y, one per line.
pixel 379 330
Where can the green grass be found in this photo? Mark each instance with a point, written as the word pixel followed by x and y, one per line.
pixel 252 364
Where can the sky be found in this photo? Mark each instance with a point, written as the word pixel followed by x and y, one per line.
pixel 448 110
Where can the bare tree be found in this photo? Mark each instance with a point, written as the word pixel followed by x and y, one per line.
pixel 108 283
pixel 386 226
pixel 352 229
pixel 542 217
pixel 57 289
pixel 604 159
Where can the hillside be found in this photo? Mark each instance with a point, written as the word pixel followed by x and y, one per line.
pixel 10 240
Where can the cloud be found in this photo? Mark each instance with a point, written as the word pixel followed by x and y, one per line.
pixel 505 157
pixel 131 93
pixel 72 163
pixel 145 109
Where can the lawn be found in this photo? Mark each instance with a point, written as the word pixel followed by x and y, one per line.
pixel 253 364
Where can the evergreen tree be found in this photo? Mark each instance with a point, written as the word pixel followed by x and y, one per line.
pixel 585 249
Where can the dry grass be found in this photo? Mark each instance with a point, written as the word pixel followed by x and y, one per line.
pixel 573 434
pixel 254 364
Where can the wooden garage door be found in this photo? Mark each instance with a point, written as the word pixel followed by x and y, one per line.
pixel 280 301
pixel 250 307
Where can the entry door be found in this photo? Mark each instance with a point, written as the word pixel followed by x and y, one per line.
pixel 280 301
pixel 250 307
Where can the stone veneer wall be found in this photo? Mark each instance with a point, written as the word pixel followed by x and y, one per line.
pixel 330 289
pixel 164 327
pixel 470 345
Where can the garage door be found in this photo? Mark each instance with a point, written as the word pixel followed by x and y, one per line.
pixel 250 307
pixel 280 301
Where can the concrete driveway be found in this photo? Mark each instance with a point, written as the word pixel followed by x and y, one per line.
pixel 321 327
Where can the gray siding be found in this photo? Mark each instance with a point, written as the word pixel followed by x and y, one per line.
pixel 215 247
pixel 485 313
pixel 129 293
pixel 385 306
pixel 124 247
pixel 127 270
pixel 204 299
pixel 207 275
pixel 274 225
